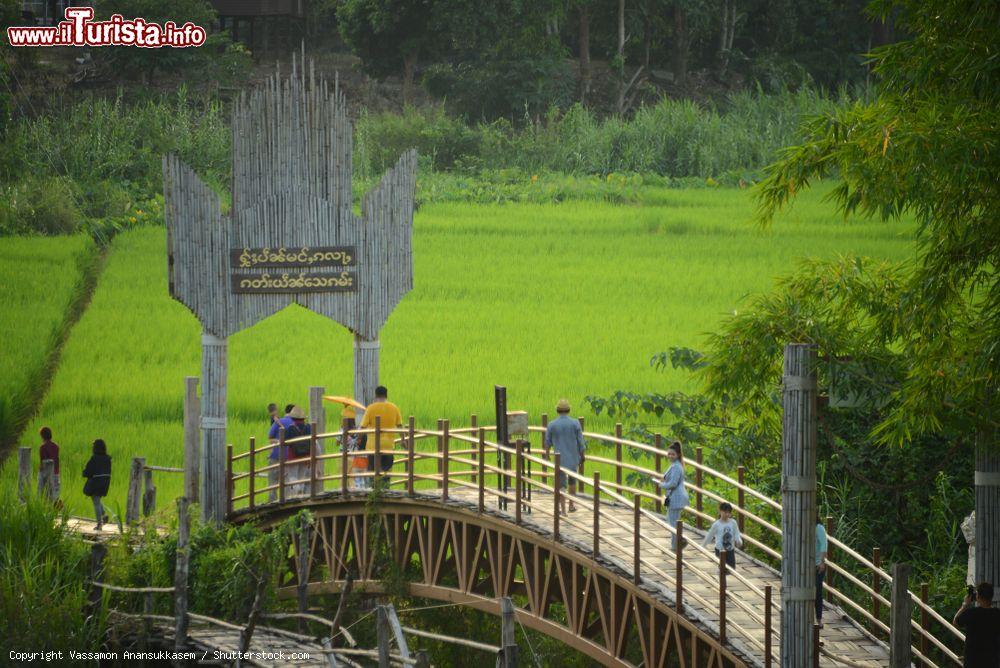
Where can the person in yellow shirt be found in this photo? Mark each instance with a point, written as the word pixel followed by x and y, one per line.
pixel 390 418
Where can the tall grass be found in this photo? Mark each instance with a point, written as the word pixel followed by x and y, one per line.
pixel 550 300
pixel 40 278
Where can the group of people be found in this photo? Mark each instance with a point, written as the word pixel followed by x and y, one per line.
pixel 97 472
pixel 297 449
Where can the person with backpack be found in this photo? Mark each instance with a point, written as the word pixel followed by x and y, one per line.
pixel 296 472
pixel 98 475
pixel 726 534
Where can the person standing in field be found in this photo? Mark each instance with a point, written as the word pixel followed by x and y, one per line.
pixel 389 418
pixel 98 475
pixel 726 534
pixel 566 435
pixel 49 450
pixel 821 549
pixel 672 484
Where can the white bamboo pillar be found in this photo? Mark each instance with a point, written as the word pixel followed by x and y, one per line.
pixel 365 368
pixel 798 505
pixel 317 416
pixel 213 427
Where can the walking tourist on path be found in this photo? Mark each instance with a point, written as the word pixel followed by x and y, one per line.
pixel 566 436
pixel 725 533
pixel 389 418
pixel 98 475
pixel 672 484
pixel 49 450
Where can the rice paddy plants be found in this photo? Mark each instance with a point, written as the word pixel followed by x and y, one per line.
pixel 551 300
pixel 40 279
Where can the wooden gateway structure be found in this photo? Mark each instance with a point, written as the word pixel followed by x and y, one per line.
pixel 289 238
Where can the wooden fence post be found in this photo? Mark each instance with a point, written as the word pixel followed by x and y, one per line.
pixel 556 491
pixel 252 480
pixel 445 464
pixel 482 469
pixel 46 479
pixel 281 464
pixel 440 457
pixel 313 451
pixel 876 587
pixel 798 503
pixel 317 415
pixel 345 463
pixel 636 533
pixel 508 638
pixel 133 499
pixel 597 514
pixel 698 481
pixel 658 442
pixel 411 437
pixel 181 575
pixel 148 493
pixel 229 479
pixel 900 654
pixel 767 627
pixel 618 458
pixel 378 450
pixel 97 552
pixel 474 423
pixel 543 450
pixel 679 568
pixel 23 472
pixel 518 479
pixel 740 499
pixel 722 597
pixel 192 438
pixel 382 628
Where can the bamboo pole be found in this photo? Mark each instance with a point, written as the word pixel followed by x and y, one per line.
pixel 700 486
pixel 133 498
pixel 658 444
pixel 556 491
pixel 518 479
pixel 767 626
pixel 597 514
pixel 636 533
pixel 229 479
pixel 181 575
pixel 252 482
pixel 344 458
pixel 445 446
pixel 411 445
pixel 474 424
pixel 281 464
pixel 679 568
pixel 192 438
pixel 313 446
pixel 378 450
pixel 924 622
pixel 900 653
pixel 482 470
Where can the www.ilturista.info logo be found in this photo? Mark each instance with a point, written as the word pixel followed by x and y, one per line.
pixel 80 30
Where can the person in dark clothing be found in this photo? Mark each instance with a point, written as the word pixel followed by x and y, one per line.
pixel 49 450
pixel 981 623
pixel 98 475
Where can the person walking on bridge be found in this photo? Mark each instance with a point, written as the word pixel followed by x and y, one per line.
pixel 98 475
pixel 389 418
pixel 672 484
pixel 566 436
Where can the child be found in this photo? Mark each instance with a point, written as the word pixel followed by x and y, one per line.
pixel 359 465
pixel 726 534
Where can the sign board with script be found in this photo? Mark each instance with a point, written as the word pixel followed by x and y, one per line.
pixel 291 270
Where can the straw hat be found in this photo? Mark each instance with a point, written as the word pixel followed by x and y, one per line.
pixel 349 413
pixel 562 406
pixel 296 413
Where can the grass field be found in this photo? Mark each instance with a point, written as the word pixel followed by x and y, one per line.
pixel 551 300
pixel 39 279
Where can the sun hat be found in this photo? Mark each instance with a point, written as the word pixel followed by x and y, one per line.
pixel 349 412
pixel 296 413
pixel 562 406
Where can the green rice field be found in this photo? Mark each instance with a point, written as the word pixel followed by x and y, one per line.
pixel 551 300
pixel 39 279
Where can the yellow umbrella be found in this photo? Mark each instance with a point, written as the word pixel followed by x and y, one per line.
pixel 347 401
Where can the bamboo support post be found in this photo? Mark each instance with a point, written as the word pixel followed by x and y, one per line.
pixel 445 467
pixel 214 356
pixel 508 639
pixel 518 479
pixel 544 450
pixel 798 504
pixel 313 450
pixel 474 424
pixel 556 491
pixel 97 553
pixel 679 568
pixel 192 438
pixel 281 464
pixel 23 472
pixel 482 470
pixel 148 493
pixel 722 597
pixel 876 586
pixel 410 447
pixel 181 575
pixel 382 629
pixel 229 479
pixel 618 456
pixel 344 458
pixel 597 514
pixel 252 481
pixel 440 457
pixel 767 627
pixel 900 612
pixel 740 499
pixel 658 443
pixel 133 498
pixel 636 533
pixel 699 483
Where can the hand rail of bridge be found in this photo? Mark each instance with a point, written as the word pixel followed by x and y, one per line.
pixel 408 436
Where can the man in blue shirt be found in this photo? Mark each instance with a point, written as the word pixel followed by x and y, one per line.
pixel 821 549
pixel 566 436
pixel 294 424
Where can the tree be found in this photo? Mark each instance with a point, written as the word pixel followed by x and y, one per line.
pixel 389 35
pixel 928 145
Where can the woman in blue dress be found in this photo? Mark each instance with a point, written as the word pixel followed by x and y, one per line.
pixel 672 484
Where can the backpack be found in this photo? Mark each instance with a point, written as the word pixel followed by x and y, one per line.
pixel 302 448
